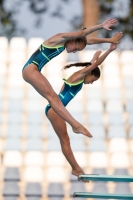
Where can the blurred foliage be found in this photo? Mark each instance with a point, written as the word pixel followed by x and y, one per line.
pixel 9 26
pixel 8 13
pixel 125 23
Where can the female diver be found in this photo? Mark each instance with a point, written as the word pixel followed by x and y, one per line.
pixel 89 74
pixel 72 42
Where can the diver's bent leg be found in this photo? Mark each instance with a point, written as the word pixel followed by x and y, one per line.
pixel 43 87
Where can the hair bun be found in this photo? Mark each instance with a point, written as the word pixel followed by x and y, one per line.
pixel 83 28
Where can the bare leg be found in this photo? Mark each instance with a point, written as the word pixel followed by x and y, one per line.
pixel 43 87
pixel 59 126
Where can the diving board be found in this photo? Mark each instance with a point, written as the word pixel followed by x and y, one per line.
pixel 103 196
pixel 97 177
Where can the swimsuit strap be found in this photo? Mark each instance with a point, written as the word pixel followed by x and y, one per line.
pixel 72 84
pixel 56 47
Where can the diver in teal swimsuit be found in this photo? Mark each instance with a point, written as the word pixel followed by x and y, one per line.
pixel 89 74
pixel 68 93
pixel 52 47
pixel 43 55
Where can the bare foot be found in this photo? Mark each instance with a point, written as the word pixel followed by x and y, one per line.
pixel 79 172
pixel 81 129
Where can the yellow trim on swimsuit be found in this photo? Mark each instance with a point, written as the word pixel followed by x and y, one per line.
pixel 52 47
pixel 72 83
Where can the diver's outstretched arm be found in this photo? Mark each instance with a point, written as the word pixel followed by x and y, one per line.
pixel 114 39
pixel 61 38
pixel 81 73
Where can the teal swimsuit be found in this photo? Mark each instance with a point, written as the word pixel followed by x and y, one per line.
pixel 43 55
pixel 68 93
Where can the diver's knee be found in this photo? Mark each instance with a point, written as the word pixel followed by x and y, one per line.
pixel 65 141
pixel 52 97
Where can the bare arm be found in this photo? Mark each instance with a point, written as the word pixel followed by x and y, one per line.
pixel 96 60
pixel 61 38
pixel 95 57
pixel 114 39
pixel 84 71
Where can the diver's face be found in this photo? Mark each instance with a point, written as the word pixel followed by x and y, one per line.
pixel 72 46
pixel 90 79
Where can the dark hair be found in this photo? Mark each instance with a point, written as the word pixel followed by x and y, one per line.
pixel 95 72
pixel 77 65
pixel 81 40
